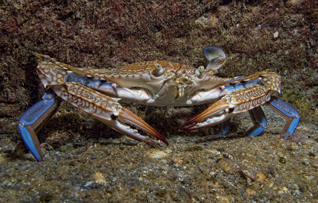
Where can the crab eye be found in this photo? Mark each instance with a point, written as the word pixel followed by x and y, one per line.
pixel 199 71
pixel 158 71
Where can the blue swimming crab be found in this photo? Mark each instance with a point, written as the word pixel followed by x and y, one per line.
pixel 155 83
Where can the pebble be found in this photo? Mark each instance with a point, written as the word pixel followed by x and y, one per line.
pixel 290 3
pixel 315 163
pixel 87 184
pixel 250 191
pixel 99 178
pixel 222 199
pixel 284 190
pixel 157 154
pixel 260 177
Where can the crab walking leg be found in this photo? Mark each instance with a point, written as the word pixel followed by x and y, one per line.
pixel 224 129
pixel 106 109
pixel 259 120
pixel 34 119
pixel 288 112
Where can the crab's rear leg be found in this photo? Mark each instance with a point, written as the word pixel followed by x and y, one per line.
pixel 281 107
pixel 33 120
pixel 288 112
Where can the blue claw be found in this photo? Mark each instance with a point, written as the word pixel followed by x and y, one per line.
pixel 32 121
pixel 288 112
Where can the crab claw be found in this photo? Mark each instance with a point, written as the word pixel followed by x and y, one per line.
pixel 219 112
pixel 117 120
pixel 108 111
pixel 126 116
pixel 229 106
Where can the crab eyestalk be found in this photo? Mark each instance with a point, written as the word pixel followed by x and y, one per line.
pixel 199 71
pixel 158 71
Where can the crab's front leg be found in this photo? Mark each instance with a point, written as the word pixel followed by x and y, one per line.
pixel 32 121
pixel 232 105
pixel 107 110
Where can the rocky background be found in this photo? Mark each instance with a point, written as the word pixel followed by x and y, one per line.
pixel 83 162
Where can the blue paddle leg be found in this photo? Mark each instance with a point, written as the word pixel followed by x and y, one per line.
pixel 288 112
pixel 33 120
